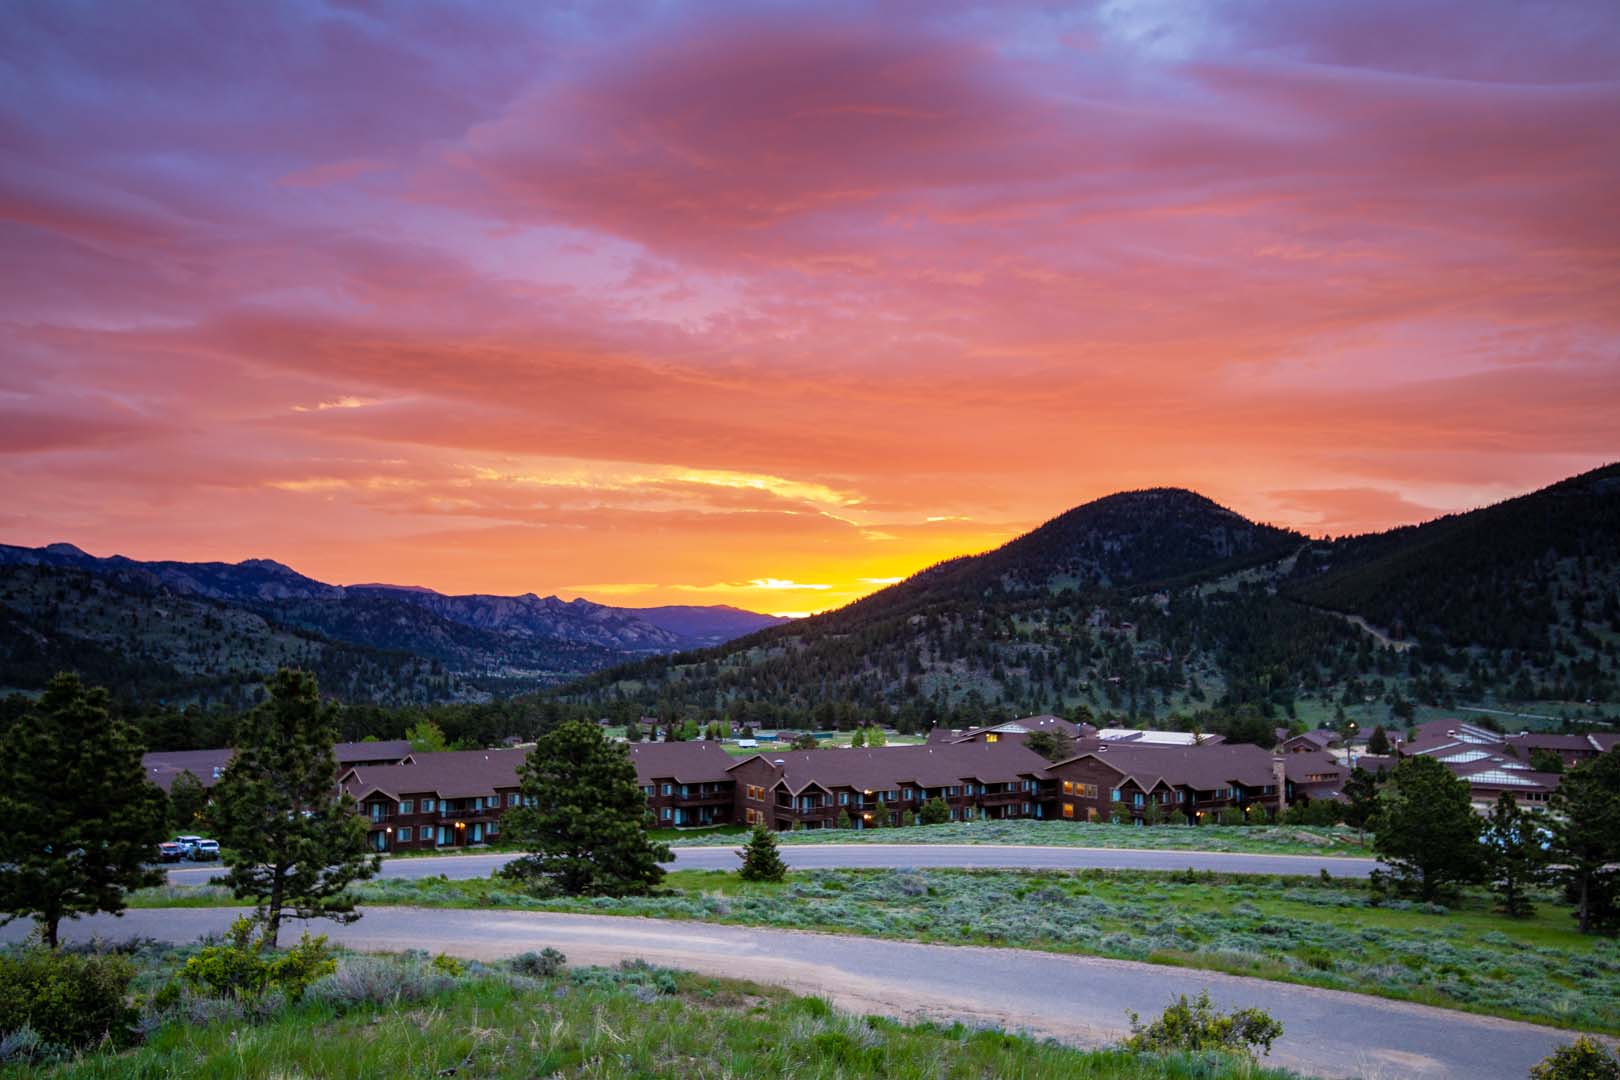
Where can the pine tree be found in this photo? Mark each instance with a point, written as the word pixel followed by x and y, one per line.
pixel 583 822
pixel 1514 856
pixel 1586 841
pixel 292 843
pixel 936 811
pixel 1360 799
pixel 760 859
pixel 187 798
pixel 858 740
pixel 1426 828
pixel 82 820
pixel 1378 742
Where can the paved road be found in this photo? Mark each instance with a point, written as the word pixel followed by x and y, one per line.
pixel 1078 999
pixel 904 856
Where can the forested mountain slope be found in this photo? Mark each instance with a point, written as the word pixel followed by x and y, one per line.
pixel 1158 603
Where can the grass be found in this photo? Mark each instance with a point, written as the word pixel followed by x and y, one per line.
pixel 1253 840
pixel 632 1021
pixel 1288 929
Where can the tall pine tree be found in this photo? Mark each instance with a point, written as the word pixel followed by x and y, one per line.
pixel 1514 856
pixel 82 820
pixel 292 842
pixel 1586 841
pixel 187 798
pixel 583 818
pixel 1426 828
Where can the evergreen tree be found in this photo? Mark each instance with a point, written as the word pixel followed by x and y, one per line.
pixel 1586 841
pixel 858 740
pixel 1514 856
pixel 292 843
pixel 936 811
pixel 584 819
pixel 843 821
pixel 1360 799
pixel 1546 761
pixel 81 819
pixel 760 859
pixel 187 798
pixel 1378 742
pixel 1426 828
pixel 1051 745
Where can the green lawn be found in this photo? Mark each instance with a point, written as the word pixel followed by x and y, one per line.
pixel 1290 929
pixel 589 1023
pixel 1257 839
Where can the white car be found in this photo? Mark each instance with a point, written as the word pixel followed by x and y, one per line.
pixel 205 851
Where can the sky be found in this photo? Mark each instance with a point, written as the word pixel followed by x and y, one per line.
pixel 773 304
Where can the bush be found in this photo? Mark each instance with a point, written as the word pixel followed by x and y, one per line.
pixel 1231 815
pixel 907 819
pixel 545 964
pixel 372 980
pixel 239 968
pixel 65 1000
pixel 1583 1059
pixel 446 964
pixel 936 811
pixel 1196 1025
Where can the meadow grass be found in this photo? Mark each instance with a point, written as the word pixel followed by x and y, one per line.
pixel 1245 839
pixel 1292 929
pixel 635 1021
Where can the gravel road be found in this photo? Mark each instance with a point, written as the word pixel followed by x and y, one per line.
pixel 1075 998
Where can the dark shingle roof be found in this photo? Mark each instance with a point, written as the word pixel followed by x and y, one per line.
pixel 1202 768
pixel 697 762
pixel 347 753
pixel 162 766
pixel 884 767
pixel 449 774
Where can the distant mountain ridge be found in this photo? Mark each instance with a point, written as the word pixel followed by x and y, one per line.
pixel 1160 601
pixel 476 641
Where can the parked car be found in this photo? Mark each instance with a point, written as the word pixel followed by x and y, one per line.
pixel 171 851
pixel 187 842
pixel 205 850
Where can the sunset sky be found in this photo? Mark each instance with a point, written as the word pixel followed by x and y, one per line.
pixel 771 304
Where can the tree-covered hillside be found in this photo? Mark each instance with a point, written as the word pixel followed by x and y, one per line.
pixel 1162 605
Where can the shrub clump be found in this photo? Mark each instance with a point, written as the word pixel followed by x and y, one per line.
pixel 370 980
pixel 51 1000
pixel 545 964
pixel 1583 1059
pixel 243 968
pixel 1198 1026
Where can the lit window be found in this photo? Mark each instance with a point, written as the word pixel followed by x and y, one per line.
pixel 1068 809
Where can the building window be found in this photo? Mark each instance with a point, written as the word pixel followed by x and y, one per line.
pixel 1114 795
pixel 843 798
pixel 669 789
pixel 664 813
pixel 427 806
pixel 1068 809
pixel 405 834
pixel 427 834
pixel 992 737
pixel 511 800
pixel 1068 787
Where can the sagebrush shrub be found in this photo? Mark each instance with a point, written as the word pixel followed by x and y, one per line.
pixel 545 964
pixel 67 1000
pixel 1197 1025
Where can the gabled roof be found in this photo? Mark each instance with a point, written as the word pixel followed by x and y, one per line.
pixel 696 762
pixel 1025 726
pixel 447 774
pixel 1202 768
pixel 881 768
pixel 1321 738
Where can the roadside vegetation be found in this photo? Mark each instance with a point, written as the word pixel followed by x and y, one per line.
pixel 412 1015
pixel 1336 933
pixel 1246 839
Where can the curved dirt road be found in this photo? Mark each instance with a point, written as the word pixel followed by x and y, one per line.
pixel 904 856
pixel 1075 998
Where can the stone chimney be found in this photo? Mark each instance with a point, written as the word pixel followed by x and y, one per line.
pixel 1279 775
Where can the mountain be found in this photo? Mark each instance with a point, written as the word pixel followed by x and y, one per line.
pixel 210 630
pixel 1160 603
pixel 704 626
